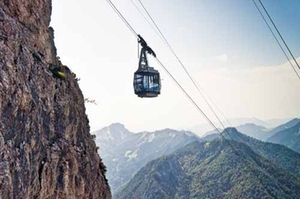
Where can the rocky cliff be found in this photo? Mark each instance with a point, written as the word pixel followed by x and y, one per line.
pixel 46 150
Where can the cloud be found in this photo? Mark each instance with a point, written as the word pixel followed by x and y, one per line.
pixel 238 71
pixel 284 70
pixel 223 57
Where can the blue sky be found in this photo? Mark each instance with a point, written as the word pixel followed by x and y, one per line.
pixel 231 26
pixel 225 45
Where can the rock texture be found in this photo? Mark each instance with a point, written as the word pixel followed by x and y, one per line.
pixel 46 150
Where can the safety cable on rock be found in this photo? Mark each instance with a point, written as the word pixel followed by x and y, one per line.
pixel 195 104
pixel 269 27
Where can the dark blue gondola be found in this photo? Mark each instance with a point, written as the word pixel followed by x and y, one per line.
pixel 146 81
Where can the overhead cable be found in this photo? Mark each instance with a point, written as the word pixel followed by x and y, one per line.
pixel 198 108
pixel 150 24
pixel 122 17
pixel 279 33
pixel 279 44
pixel 247 163
pixel 195 83
pixel 173 78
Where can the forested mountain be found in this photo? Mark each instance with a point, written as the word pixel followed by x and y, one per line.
pixel 212 170
pixel 201 130
pixel 262 133
pixel 253 130
pixel 125 153
pixel 279 154
pixel 284 126
pixel 289 137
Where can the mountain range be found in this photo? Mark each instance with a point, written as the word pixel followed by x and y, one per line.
pixel 283 156
pixel 124 153
pixel 286 134
pixel 212 170
pixel 289 137
pixel 261 132
pixel 253 130
pixel 284 126
pixel 202 129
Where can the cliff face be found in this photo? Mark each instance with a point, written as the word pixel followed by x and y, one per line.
pixel 46 150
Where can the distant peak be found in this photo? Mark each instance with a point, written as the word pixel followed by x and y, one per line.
pixel 174 132
pixel 115 131
pixel 167 130
pixel 232 133
pixel 231 130
pixel 295 120
pixel 289 124
pixel 117 128
pixel 250 124
pixel 117 124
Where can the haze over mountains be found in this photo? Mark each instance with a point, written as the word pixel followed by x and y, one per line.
pixel 202 129
pixel 279 154
pixel 253 130
pixel 289 137
pixel 286 134
pixel 263 133
pixel 284 126
pixel 124 152
pixel 208 173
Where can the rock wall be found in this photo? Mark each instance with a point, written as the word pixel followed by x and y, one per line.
pixel 46 150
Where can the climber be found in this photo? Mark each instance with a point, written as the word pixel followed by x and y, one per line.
pixel 56 71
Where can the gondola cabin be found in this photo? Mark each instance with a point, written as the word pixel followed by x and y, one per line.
pixel 147 83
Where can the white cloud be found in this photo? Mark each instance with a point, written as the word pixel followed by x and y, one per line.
pixel 223 57
pixel 263 92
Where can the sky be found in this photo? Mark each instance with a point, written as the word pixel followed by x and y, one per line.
pixel 225 46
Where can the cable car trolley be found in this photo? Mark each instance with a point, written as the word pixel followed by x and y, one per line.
pixel 146 82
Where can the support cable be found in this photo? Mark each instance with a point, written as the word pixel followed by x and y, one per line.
pixel 265 20
pixel 122 17
pixel 279 33
pixel 244 160
pixel 196 84
pixel 137 8
pixel 196 105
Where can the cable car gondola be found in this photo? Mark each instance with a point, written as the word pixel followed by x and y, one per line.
pixel 146 81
